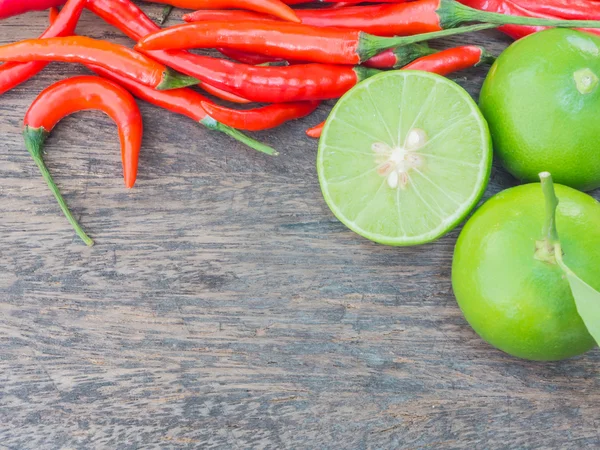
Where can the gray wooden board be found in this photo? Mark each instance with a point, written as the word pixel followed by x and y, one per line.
pixel 225 307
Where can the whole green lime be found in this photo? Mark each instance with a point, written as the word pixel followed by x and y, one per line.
pixel 511 297
pixel 541 99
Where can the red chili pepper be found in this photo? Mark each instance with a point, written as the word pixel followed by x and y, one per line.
pixel 316 131
pixel 274 7
pixel 566 9
pixel 182 101
pixel 286 40
pixel 79 94
pixel 396 58
pixel 14 73
pixel 300 82
pixel 260 84
pixel 10 8
pixel 452 60
pixel 79 49
pixel 414 17
pixel 267 84
pixel 258 119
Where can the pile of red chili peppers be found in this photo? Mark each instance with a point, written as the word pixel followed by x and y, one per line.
pixel 290 58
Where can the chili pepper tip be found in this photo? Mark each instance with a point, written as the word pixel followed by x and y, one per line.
pixel 316 131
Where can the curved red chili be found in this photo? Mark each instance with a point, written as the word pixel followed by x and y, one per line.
pixel 274 7
pixel 316 131
pixel 286 40
pixel 84 50
pixel 452 60
pixel 79 94
pixel 14 73
pixel 258 119
pixel 182 101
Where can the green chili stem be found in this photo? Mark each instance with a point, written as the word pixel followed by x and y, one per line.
pixel 166 12
pixel 486 57
pixel 175 80
pixel 212 124
pixel 61 202
pixel 408 53
pixel 371 45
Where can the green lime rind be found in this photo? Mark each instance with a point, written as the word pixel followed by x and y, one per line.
pixel 439 194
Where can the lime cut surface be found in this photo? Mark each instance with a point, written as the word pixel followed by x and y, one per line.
pixel 404 156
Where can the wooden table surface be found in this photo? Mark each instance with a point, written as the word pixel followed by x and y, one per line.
pixel 224 306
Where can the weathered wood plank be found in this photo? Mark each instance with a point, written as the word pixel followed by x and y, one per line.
pixel 225 307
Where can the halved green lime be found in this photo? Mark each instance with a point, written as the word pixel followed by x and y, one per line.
pixel 404 156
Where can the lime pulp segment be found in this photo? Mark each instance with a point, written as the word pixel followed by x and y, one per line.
pixel 404 157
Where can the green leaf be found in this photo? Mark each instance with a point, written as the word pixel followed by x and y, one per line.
pixel 587 300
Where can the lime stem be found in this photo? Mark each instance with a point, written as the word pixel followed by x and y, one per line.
pixel 452 13
pixel 550 231
pixel 61 202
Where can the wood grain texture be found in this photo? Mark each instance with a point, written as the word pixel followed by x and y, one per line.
pixel 224 307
